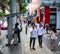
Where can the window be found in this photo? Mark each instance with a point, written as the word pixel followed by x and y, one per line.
pixel 53 17
pixel 52 21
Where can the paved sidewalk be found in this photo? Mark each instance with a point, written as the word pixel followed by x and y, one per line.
pixel 9 49
pixel 25 45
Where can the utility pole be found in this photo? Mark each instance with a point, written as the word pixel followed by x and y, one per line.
pixel 11 20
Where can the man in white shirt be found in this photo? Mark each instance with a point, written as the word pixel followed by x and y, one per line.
pixel 40 32
pixel 33 35
pixel 37 25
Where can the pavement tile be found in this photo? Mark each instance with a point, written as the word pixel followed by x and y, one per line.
pixel 45 50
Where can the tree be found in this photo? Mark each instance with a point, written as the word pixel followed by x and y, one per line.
pixel 2 14
pixel 23 7
pixel 4 4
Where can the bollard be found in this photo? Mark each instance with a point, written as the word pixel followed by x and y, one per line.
pixel 26 29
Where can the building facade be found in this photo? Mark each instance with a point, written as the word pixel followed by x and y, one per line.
pixel 49 12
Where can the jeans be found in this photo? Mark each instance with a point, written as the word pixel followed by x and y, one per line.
pixel 32 40
pixel 40 40
pixel 18 37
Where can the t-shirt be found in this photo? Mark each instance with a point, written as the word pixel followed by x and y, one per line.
pixel 33 33
pixel 53 35
pixel 40 31
pixel 37 25
pixel 19 27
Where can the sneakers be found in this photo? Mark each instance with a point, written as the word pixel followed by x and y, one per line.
pixel 53 49
pixel 40 46
pixel 34 49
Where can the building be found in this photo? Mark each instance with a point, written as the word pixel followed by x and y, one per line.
pixel 49 12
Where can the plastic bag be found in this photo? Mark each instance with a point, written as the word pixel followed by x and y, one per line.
pixel 59 43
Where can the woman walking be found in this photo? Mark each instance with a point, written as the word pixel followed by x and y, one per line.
pixel 53 39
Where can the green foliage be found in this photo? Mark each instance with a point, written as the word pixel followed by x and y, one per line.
pixel 22 1
pixel 23 7
pixel 2 14
pixel 5 1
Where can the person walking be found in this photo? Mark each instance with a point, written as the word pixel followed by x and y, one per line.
pixel 17 31
pixel 47 28
pixel 33 35
pixel 37 24
pixel 40 32
pixel 53 37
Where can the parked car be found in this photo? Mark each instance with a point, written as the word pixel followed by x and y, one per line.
pixel 4 25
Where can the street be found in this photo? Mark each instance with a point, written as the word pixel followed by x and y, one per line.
pixel 23 47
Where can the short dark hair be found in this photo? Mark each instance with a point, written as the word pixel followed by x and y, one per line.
pixel 16 24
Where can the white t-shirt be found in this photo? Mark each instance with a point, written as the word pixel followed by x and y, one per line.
pixel 37 25
pixel 53 35
pixel 33 33
pixel 19 27
pixel 40 31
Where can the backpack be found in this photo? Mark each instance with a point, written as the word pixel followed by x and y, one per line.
pixel 16 30
pixel 20 28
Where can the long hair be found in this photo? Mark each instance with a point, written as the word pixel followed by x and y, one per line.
pixel 54 29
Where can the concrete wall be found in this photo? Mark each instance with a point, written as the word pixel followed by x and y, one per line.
pixel 58 19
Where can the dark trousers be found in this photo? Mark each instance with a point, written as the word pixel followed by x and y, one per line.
pixel 46 30
pixel 40 40
pixel 32 40
pixel 18 37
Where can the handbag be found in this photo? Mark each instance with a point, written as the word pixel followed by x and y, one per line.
pixel 59 43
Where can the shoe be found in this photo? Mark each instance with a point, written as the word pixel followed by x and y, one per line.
pixel 34 49
pixel 52 49
pixel 40 46
pixel 18 41
pixel 15 44
pixel 30 46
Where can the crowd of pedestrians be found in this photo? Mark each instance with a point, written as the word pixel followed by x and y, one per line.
pixel 37 30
